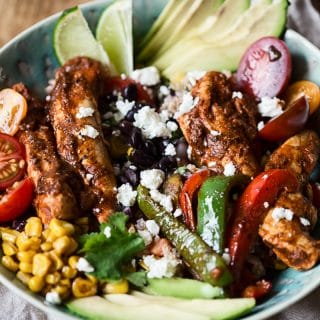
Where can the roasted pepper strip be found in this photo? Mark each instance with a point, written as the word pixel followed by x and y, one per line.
pixel 260 194
pixel 190 187
pixel 207 265
pixel 213 203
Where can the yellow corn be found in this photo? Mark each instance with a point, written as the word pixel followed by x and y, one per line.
pixel 25 267
pixel 33 227
pixel 46 246
pixel 45 234
pixel 26 256
pixel 65 282
pixel 69 272
pixel 41 264
pixel 9 235
pixel 9 263
pixel 92 278
pixel 57 263
pixel 9 249
pixel 53 278
pixel 36 283
pixel 121 286
pixel 63 291
pixel 25 243
pixel 23 277
pixel 65 245
pixel 72 261
pixel 83 288
pixel 61 228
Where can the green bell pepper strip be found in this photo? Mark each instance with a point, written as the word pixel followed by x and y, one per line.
pixel 212 212
pixel 206 264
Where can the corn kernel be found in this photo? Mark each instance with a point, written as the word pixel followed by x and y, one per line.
pixel 65 282
pixel 121 286
pixel 41 264
pixel 36 283
pixel 83 288
pixel 9 249
pixel 57 263
pixel 92 278
pixel 65 245
pixel 53 278
pixel 25 243
pixel 9 263
pixel 69 272
pixel 46 246
pixel 45 234
pixel 23 277
pixel 9 235
pixel 25 267
pixel 33 227
pixel 63 291
pixel 26 256
pixel 73 260
pixel 61 228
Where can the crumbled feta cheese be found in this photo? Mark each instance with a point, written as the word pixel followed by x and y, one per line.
pixel 89 131
pixel 152 227
pixel 89 176
pixel 126 195
pixel 266 204
pixel 84 112
pixel 150 123
pixel 305 221
pixel 123 76
pixel 172 126
pixel 189 152
pixel 146 236
pixel 209 229
pixel 282 213
pixel 270 107
pixel 124 107
pixel 177 213
pixel 237 94
pixel 229 169
pixel 148 76
pixel 140 224
pixel 212 163
pixel 227 73
pixel 260 125
pixel 84 265
pixel 163 199
pixel 193 76
pixel 187 104
pixel 107 232
pixel 226 257
pixel 215 133
pixel 53 297
pixel 51 85
pixel 152 178
pixel 164 115
pixel 170 150
pixel 164 90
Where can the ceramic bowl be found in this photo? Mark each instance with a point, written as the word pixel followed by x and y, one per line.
pixel 29 58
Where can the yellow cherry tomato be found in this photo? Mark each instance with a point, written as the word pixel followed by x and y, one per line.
pixel 13 108
pixel 310 89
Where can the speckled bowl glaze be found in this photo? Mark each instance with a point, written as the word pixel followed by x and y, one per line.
pixel 29 58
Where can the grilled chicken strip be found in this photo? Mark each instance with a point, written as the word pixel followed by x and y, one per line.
pixel 54 196
pixel 289 238
pixel 221 129
pixel 77 126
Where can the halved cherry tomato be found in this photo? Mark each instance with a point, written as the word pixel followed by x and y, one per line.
pixel 186 196
pixel 12 163
pixel 290 122
pixel 13 108
pixel 16 200
pixel 265 68
pixel 119 84
pixel 307 88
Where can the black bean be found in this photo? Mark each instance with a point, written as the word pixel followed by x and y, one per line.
pixel 140 159
pixel 167 163
pixel 126 127
pixel 19 224
pixel 150 148
pixel 181 148
pixel 133 111
pixel 130 92
pixel 122 179
pixel 132 176
pixel 161 144
pixel 135 139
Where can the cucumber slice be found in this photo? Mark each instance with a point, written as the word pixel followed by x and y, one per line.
pixel 114 32
pixel 72 37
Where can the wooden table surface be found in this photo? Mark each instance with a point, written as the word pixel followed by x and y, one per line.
pixel 17 15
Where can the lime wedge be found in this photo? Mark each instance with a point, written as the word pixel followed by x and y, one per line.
pixel 114 32
pixel 72 37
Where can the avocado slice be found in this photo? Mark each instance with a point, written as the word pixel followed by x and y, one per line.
pixel 200 55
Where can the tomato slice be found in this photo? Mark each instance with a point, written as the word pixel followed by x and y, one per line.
pixel 307 88
pixel 16 200
pixel 12 163
pixel 119 84
pixel 13 109
pixel 290 122
pixel 265 68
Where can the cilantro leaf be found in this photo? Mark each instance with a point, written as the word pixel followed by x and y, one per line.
pixel 109 255
pixel 139 279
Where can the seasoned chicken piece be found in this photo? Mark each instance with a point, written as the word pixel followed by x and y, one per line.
pixel 77 126
pixel 54 197
pixel 221 129
pixel 290 239
pixel 299 153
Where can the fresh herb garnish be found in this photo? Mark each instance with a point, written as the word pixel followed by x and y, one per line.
pixel 138 279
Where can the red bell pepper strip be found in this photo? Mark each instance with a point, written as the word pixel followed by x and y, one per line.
pixel 251 209
pixel 189 190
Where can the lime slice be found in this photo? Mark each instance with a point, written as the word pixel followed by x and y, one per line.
pixel 72 37
pixel 114 32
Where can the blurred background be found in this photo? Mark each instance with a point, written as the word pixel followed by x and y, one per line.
pixel 17 15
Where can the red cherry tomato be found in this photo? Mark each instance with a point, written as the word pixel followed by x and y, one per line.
pixel 265 68
pixel 12 164
pixel 119 84
pixel 16 200
pixel 291 121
